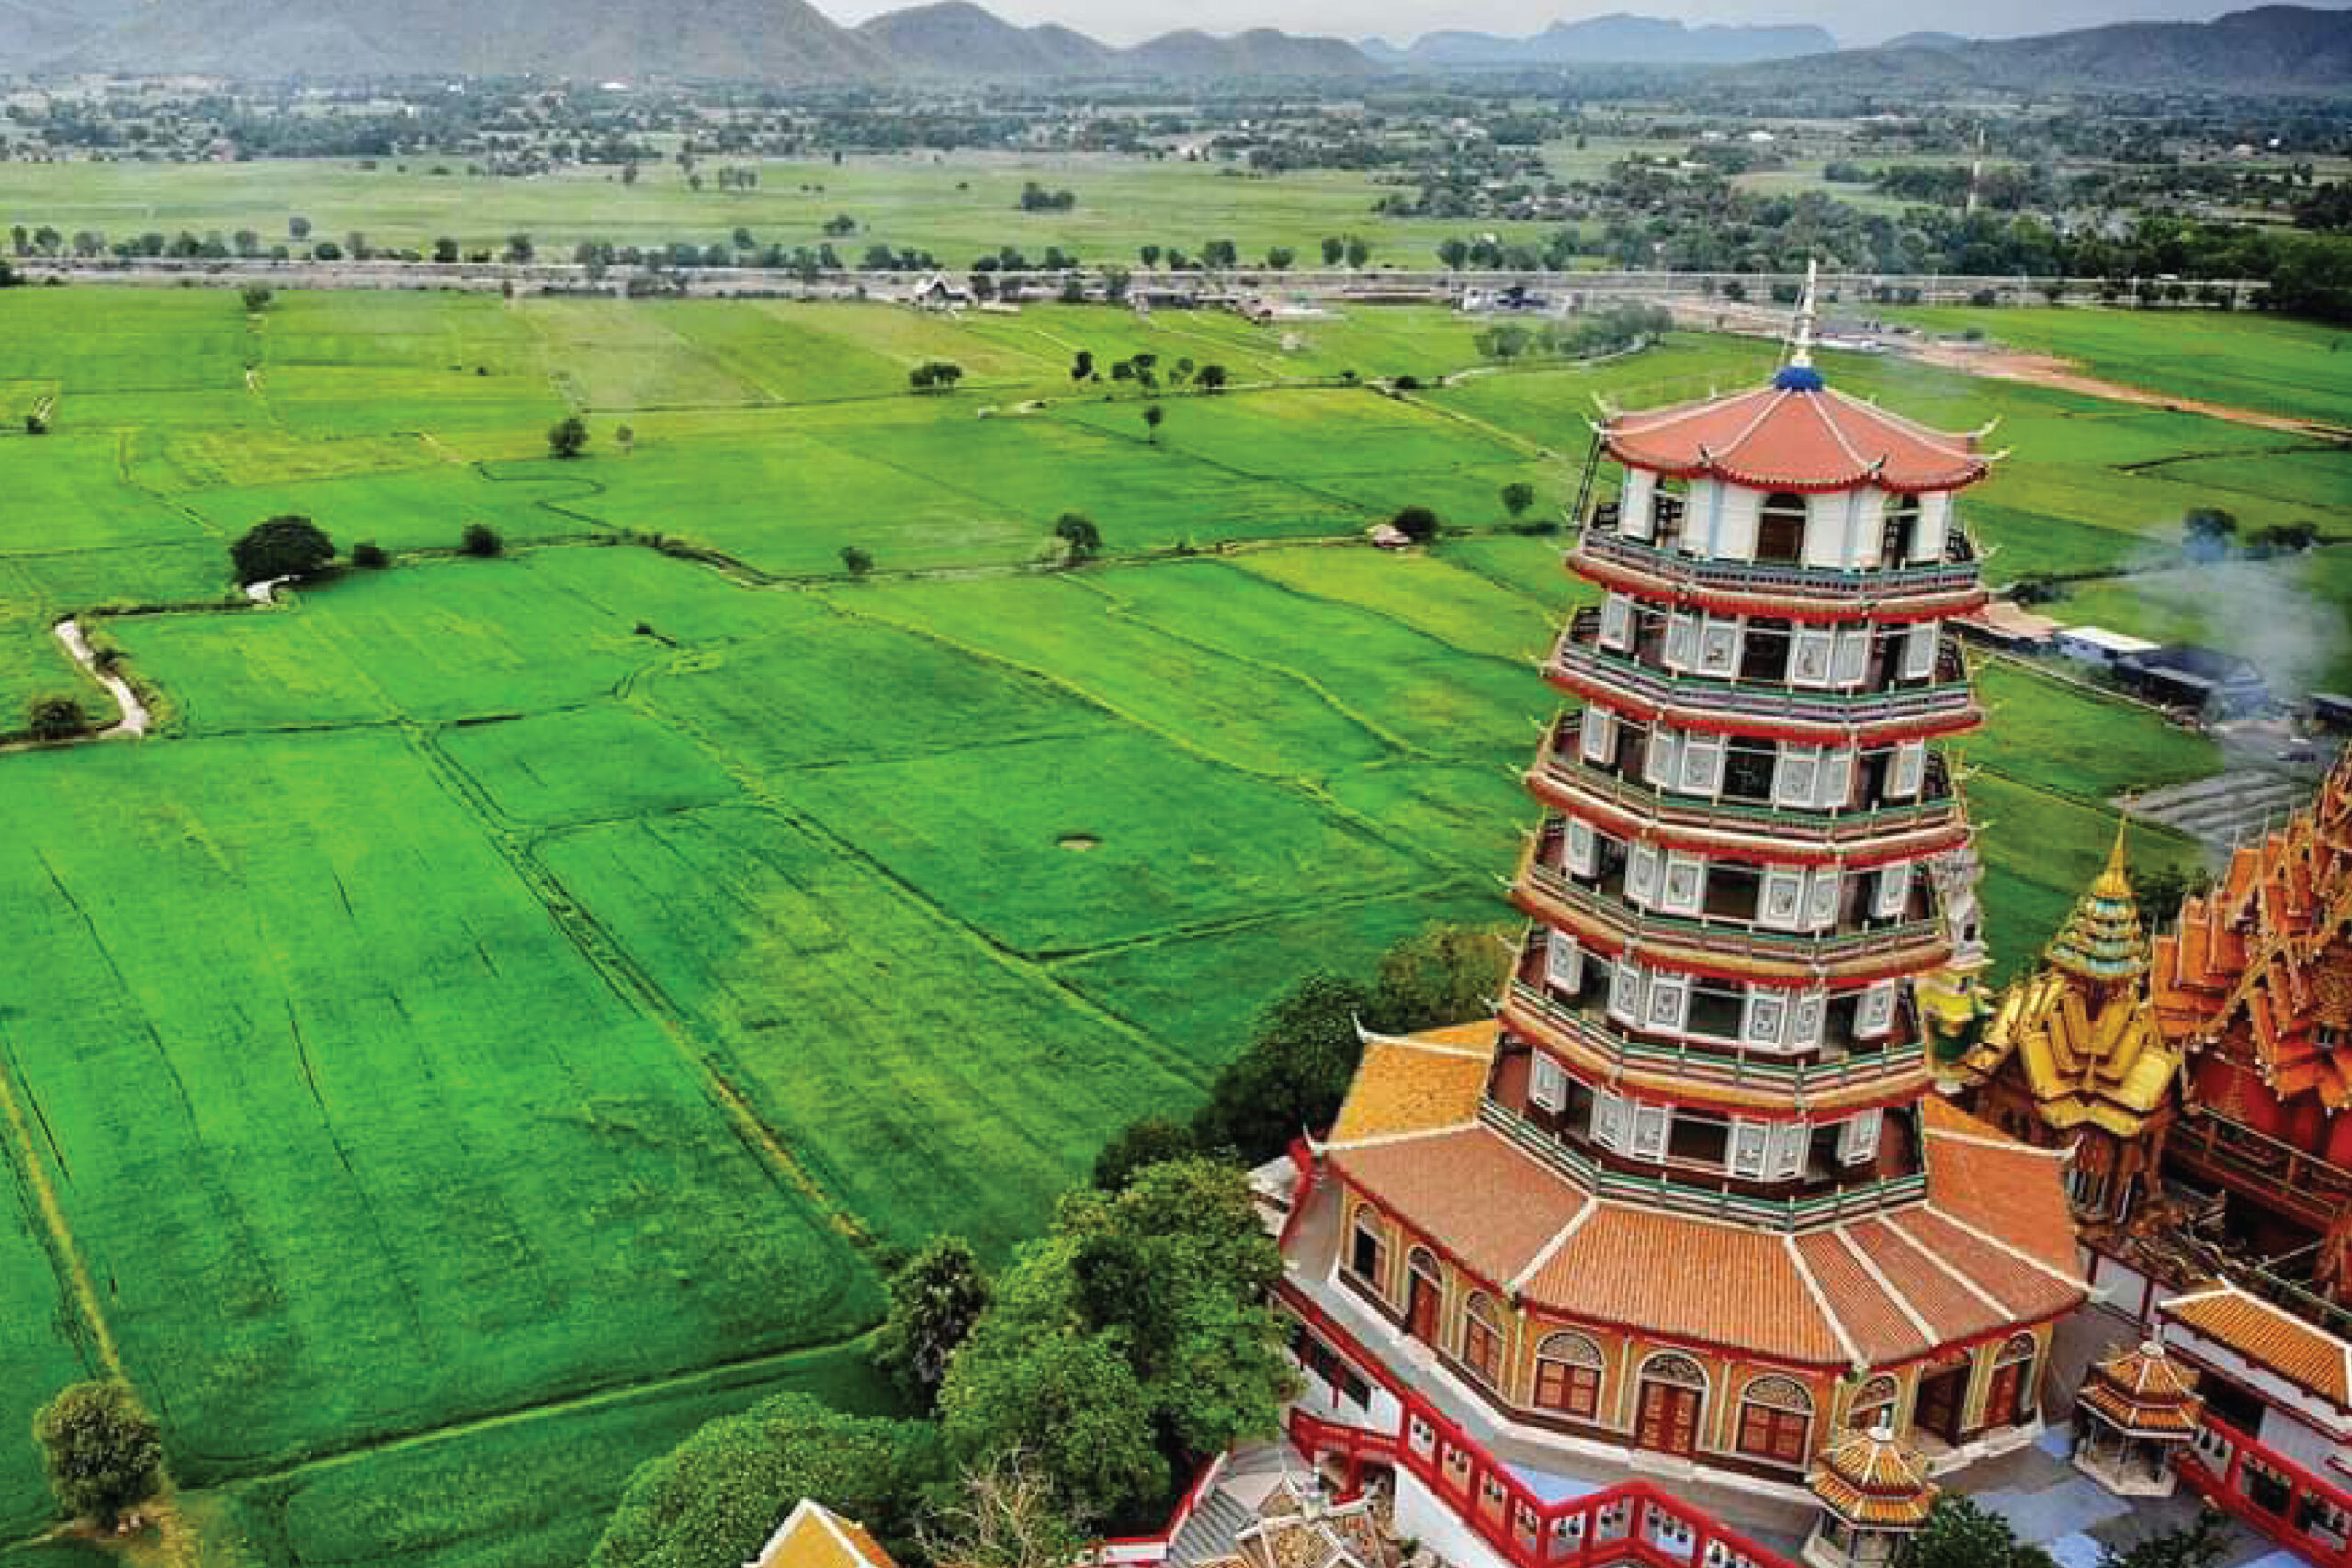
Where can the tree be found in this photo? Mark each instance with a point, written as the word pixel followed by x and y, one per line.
pixel 481 541
pixel 1148 255
pixel 714 1500
pixel 1082 365
pixel 1070 1399
pixel 369 555
pixel 1005 1516
pixel 935 1298
pixel 1081 540
pixel 1292 1076
pixel 36 425
pixel 1452 253
pixel 103 1451
pixel 1958 1534
pixel 56 718
pixel 256 297
pixel 1149 1140
pixel 1153 416
pixel 445 249
pixel 1418 524
pixel 855 561
pixel 625 438
pixel 567 437
pixel 1359 250
pixel 1279 257
pixel 1210 377
pixel 1443 975
pixel 1517 497
pixel 2201 1544
pixel 936 374
pixel 2206 531
pixel 282 546
pixel 1334 248
pixel 298 227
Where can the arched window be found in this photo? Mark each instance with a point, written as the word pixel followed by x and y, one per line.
pixel 2011 1394
pixel 1872 1405
pixel 1780 529
pixel 1482 1340
pixel 1567 1375
pixel 1368 1249
pixel 1776 1420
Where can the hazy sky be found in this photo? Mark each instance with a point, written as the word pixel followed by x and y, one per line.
pixel 1854 21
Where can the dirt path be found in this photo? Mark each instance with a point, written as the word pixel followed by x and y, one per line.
pixel 135 717
pixel 2065 376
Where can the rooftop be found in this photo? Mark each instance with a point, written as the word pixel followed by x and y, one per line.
pixel 2269 1337
pixel 1796 433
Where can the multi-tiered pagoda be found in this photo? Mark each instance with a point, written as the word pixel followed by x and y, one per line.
pixel 1690 1193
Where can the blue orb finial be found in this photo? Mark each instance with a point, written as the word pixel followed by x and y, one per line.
pixel 1799 379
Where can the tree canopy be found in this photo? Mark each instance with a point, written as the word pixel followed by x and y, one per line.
pixel 568 436
pixel 1444 975
pixel 282 546
pixel 714 1500
pixel 935 1298
pixel 103 1451
pixel 1293 1074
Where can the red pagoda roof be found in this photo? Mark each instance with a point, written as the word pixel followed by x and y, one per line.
pixel 1795 434
pixel 2261 967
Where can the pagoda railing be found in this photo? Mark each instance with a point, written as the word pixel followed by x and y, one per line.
pixel 1936 805
pixel 1957 572
pixel 1946 694
pixel 1634 1523
pixel 2271 1169
pixel 2270 1492
pixel 1728 1067
pixel 1797 1212
pixel 1926 936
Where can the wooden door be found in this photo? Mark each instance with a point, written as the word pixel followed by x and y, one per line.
pixel 1939 1398
pixel 1420 1312
pixel 2001 1403
pixel 1669 1419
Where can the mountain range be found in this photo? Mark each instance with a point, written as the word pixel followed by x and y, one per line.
pixel 791 42
pixel 1615 39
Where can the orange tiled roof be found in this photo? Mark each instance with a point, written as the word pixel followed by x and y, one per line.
pixel 2269 1337
pixel 1869 1478
pixel 813 1536
pixel 1992 1245
pixel 2261 967
pixel 1795 436
pixel 1418 1084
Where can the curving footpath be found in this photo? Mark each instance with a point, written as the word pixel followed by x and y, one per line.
pixel 135 717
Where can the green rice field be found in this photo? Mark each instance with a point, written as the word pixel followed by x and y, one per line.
pixel 509 1009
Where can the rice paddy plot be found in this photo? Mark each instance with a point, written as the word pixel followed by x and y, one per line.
pixel 1174 842
pixel 117 340
pixel 500 413
pixel 68 492
pixel 613 354
pixel 2070 740
pixel 46 1345
pixel 788 352
pixel 1432 593
pixel 360 1145
pixel 592 764
pixel 1304 434
pixel 415 506
pixel 925 1081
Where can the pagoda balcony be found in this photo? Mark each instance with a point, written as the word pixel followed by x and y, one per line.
pixel 1693 1194
pixel 1918 942
pixel 1942 702
pixel 1841 1071
pixel 1662 568
pixel 2271 1172
pixel 1562 776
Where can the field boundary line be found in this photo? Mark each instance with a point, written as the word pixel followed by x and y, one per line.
pixel 65 1252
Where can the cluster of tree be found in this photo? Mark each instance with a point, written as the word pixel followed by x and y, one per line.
pixel 1961 1534
pixel 2211 534
pixel 1035 197
pixel 1304 1049
pixel 1617 328
pixel 1143 368
pixel 936 376
pixel 1347 249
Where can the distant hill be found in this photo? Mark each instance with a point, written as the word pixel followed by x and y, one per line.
pixel 1619 38
pixel 1261 52
pixel 778 41
pixel 2272 48
pixel 956 37
pixel 1926 41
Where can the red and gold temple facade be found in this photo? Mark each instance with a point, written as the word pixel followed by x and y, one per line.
pixel 1689 1193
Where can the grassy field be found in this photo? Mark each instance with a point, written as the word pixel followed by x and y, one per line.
pixel 548 983
pixel 959 206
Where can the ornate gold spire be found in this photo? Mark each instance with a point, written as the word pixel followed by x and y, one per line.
pixel 2102 941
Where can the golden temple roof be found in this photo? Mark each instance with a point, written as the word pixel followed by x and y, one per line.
pixel 1869 1478
pixel 2142 1392
pixel 2081 1030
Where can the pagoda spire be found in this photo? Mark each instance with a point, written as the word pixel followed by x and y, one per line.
pixel 2102 941
pixel 1801 339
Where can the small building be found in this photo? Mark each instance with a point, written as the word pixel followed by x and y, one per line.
pixel 2217 684
pixel 2097 644
pixel 2138 1408
pixel 813 1536
pixel 2266 1375
pixel 2332 709
pixel 939 292
pixel 2007 625
pixel 1874 1493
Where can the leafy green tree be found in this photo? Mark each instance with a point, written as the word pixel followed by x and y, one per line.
pixel 1452 253
pixel 1081 366
pixel 56 718
pixel 1359 250
pixel 936 376
pixel 1081 540
pixel 1292 1076
pixel 715 1500
pixel 1279 257
pixel 1517 497
pixel 1418 524
pixel 935 1298
pixel 103 1452
pixel 1149 1140
pixel 857 562
pixel 2206 531
pixel 256 297
pixel 1153 416
pixel 370 554
pixel 1210 377
pixel 1070 1399
pixel 567 437
pixel 1958 1534
pixel 445 249
pixel 36 425
pixel 282 546
pixel 482 541
pixel 1444 975
pixel 2203 1542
